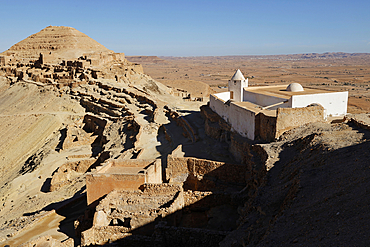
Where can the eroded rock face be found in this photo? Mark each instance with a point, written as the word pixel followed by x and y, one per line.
pixel 72 109
pixel 62 42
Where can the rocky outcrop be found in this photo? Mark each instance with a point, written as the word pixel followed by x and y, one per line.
pixel 61 42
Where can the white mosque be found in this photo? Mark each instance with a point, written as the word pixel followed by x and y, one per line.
pixel 241 105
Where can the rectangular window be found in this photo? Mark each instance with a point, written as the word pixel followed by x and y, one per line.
pixel 231 95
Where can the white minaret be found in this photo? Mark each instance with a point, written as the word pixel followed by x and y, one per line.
pixel 236 85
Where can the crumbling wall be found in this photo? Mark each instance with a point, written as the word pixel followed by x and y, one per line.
pixel 127 211
pixel 77 137
pixel 189 131
pixel 138 208
pixel 98 185
pixel 265 127
pixel 360 120
pixel 200 200
pixel 48 69
pixel 68 171
pixel 100 235
pixel 3 60
pixel 201 174
pixel 290 118
pixel 122 174
pixel 215 126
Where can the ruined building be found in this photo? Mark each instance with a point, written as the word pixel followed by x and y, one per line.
pixel 131 203
pixel 64 56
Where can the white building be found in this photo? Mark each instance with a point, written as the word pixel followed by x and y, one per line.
pixel 241 105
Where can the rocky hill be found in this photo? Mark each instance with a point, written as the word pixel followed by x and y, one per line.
pixel 63 42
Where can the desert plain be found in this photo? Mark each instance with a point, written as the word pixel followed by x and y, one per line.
pixel 331 71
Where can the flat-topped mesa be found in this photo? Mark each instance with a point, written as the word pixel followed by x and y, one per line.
pixel 64 43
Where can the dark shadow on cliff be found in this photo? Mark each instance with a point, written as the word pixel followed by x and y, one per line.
pixel 313 196
pixel 71 209
pixel 189 132
pixel 216 192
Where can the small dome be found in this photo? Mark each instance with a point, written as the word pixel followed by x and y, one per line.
pixel 295 87
pixel 238 76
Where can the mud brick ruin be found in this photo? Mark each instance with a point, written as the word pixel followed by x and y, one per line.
pixel 133 202
pixel 122 174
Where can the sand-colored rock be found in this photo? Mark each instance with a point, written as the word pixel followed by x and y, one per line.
pixel 62 43
pixel 61 118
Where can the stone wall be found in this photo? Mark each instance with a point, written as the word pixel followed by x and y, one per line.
pixel 252 156
pixel 68 171
pixel 48 69
pixel 99 185
pixel 290 118
pixel 265 127
pixel 133 211
pixel 86 131
pixel 214 126
pixel 201 174
pixel 100 235
pixel 122 174
pixel 360 120
pixel 189 131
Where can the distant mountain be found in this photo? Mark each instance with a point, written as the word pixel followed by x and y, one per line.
pixel 145 59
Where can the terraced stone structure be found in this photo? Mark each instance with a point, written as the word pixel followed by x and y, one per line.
pixel 122 175
pixel 124 211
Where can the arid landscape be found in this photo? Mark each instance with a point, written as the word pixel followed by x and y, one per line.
pixel 99 148
pixel 332 71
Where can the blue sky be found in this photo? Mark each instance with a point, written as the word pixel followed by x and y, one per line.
pixel 199 28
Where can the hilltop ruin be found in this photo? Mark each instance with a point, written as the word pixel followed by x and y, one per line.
pixel 93 151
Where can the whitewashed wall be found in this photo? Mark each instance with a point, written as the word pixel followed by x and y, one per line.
pixel 335 103
pixel 264 100
pixel 225 96
pixel 240 119
pixel 218 105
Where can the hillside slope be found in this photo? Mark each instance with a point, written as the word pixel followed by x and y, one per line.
pixel 315 194
pixel 65 42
